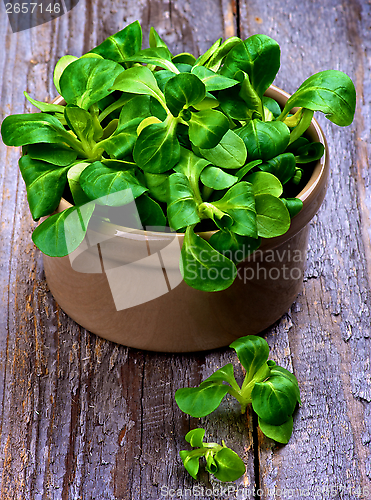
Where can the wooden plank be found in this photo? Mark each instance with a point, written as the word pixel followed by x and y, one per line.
pixel 325 337
pixel 82 417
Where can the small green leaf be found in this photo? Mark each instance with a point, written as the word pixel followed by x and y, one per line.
pixel 297 176
pixel 211 465
pixel 184 58
pixel 239 203
pixel 150 213
pixel 110 129
pixel 139 80
pixel 101 182
pixel 212 80
pixel 18 130
pixel 224 374
pixel 272 105
pixel 73 177
pixel 80 122
pixel 122 45
pixel 61 65
pixel 253 352
pixel 195 437
pixel 157 185
pixel 232 245
pixel 158 56
pixel 274 399
pixel 121 143
pixel 280 433
pixel 282 166
pixel 45 107
pixel 240 174
pixel 204 268
pixel 206 128
pixel 45 184
pixel 216 178
pixel 331 92
pixel 264 140
pixel 259 57
pixel 309 152
pixel 210 211
pixel 61 233
pixel 222 51
pixel 182 206
pixel 191 463
pixel 155 40
pixel 182 91
pixel 157 148
pixel 272 216
pixel 87 80
pixel 202 400
pixel 305 119
pixel 229 153
pixel 249 94
pixel 57 154
pixel 209 53
pixel 234 106
pixel 293 205
pixel 221 461
pixel 265 183
pixel 229 465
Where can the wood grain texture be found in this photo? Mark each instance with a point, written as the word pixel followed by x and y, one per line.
pixel 83 418
pixel 325 337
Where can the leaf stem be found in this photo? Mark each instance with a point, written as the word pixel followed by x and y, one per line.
pixel 170 66
pixel 98 130
pixel 262 110
pixel 237 395
pixel 294 120
pixel 304 123
pixel 206 192
pixel 110 129
pixel 206 448
pixel 283 115
pixel 112 107
pixel 74 143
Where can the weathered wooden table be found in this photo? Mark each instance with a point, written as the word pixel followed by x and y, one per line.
pixel 83 418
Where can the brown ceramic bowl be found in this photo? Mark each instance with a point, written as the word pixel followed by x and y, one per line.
pixel 125 286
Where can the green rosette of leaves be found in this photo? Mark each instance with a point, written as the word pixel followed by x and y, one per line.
pixel 272 391
pixel 220 461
